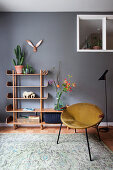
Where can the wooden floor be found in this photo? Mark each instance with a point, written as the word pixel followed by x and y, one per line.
pixel 107 137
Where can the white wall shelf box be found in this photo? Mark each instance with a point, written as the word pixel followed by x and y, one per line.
pixel 94 33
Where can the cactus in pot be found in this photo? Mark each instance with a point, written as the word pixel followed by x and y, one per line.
pixel 20 59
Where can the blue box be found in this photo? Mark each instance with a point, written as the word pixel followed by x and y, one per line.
pixel 52 118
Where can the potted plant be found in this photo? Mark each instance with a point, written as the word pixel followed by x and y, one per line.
pixel 20 59
pixel 28 70
pixel 97 43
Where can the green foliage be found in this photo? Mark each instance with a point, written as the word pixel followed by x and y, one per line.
pixel 89 46
pixel 27 66
pixel 14 63
pixel 24 70
pixel 97 42
pixel 29 69
pixel 19 56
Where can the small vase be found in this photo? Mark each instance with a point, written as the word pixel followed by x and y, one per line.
pixel 27 71
pixel 59 104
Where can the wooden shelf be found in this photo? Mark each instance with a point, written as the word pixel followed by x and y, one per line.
pixel 49 110
pixel 25 121
pixel 10 85
pixel 10 73
pixel 21 98
pixel 10 96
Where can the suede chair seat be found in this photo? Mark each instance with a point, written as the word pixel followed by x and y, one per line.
pixel 81 116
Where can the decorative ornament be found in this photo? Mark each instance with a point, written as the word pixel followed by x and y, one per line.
pixel 27 94
pixel 34 47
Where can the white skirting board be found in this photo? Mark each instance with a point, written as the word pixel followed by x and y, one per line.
pixel 49 125
pixel 105 124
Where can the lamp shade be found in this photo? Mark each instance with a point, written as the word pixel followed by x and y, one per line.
pixel 103 76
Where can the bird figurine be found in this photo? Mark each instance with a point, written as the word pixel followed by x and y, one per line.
pixel 34 47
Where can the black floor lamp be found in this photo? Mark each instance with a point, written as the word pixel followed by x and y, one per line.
pixel 103 77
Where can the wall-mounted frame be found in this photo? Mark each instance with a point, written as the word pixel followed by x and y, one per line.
pixel 94 33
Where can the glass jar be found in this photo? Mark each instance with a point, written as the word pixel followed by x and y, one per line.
pixel 59 103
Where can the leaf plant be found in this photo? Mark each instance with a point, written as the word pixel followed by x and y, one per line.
pixel 28 69
pixel 19 56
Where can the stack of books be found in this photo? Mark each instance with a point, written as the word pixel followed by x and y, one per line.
pixel 35 118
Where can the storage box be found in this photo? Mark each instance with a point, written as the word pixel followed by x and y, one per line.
pixel 52 118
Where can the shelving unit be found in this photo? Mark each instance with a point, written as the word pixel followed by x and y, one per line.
pixel 15 120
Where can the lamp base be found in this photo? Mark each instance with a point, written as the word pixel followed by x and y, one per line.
pixel 104 129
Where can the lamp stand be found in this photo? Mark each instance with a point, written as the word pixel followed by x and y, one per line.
pixel 105 129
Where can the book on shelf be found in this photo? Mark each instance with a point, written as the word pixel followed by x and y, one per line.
pixel 34 117
pixel 28 109
pixel 24 116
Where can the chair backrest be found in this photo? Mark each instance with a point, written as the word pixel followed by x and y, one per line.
pixel 85 112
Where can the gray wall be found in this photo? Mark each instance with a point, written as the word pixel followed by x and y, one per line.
pixel 58 31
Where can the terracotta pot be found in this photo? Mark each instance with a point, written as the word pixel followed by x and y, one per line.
pixel 96 47
pixel 18 69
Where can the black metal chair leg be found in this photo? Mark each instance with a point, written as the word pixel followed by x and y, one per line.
pixel 88 145
pixel 59 133
pixel 75 130
pixel 98 133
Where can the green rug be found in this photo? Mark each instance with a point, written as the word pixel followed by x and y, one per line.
pixel 40 152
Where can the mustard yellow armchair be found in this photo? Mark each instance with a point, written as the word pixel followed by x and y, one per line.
pixel 81 116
